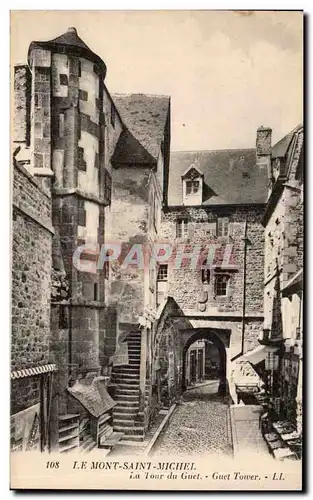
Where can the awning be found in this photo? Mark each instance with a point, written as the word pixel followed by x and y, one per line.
pixel 93 395
pixel 294 285
pixel 245 376
pixel 36 370
pixel 258 354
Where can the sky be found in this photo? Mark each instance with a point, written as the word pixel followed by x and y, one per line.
pixel 226 72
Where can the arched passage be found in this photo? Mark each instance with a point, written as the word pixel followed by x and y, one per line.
pixel 219 344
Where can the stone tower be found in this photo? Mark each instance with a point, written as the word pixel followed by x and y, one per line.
pixel 67 152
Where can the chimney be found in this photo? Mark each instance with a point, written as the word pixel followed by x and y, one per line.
pixel 264 151
pixel 263 144
pixel 22 97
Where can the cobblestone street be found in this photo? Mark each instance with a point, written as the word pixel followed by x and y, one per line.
pixel 198 426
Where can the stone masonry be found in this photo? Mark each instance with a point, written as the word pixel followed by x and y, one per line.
pixel 31 284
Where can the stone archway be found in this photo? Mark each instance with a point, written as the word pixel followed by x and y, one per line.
pixel 208 334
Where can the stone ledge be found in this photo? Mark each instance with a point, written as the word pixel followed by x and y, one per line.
pixel 34 217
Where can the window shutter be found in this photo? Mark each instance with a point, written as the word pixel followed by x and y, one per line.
pixel 190 230
pixel 219 227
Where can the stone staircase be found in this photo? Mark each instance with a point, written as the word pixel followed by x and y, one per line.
pixel 126 415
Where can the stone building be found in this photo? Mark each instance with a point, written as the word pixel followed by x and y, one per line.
pixel 32 366
pixel 283 290
pixel 124 256
pixel 71 137
pixel 65 130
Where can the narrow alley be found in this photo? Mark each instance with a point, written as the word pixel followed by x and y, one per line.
pixel 199 425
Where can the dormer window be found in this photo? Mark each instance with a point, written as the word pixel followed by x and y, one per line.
pixel 192 181
pixel 192 187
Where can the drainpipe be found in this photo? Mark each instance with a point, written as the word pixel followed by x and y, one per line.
pixel 244 290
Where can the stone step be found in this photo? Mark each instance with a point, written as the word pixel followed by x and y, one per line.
pixel 123 382
pixel 112 440
pixel 130 431
pixel 127 389
pixel 128 403
pixel 128 440
pixel 127 398
pixel 128 423
pixel 129 412
pixel 126 369
pixel 126 375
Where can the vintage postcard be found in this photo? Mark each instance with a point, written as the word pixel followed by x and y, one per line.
pixel 157 250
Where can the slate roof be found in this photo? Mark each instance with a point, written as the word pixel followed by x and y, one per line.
pixel 231 176
pixel 70 37
pixel 74 43
pixel 281 147
pixel 144 117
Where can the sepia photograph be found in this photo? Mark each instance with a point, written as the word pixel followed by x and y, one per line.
pixel 156 173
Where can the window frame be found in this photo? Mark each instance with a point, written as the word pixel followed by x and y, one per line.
pixel 226 278
pixel 191 183
pixel 64 77
pixel 83 95
pixel 221 223
pixel 161 275
pixel 182 228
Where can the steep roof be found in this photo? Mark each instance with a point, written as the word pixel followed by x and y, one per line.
pixel 281 147
pixel 70 37
pixel 73 44
pixel 231 176
pixel 144 116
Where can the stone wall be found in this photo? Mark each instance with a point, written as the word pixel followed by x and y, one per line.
pixel 185 283
pixel 21 120
pixel 31 284
pixel 284 233
pixel 127 225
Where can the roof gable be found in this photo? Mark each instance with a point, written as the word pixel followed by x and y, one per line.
pixel 129 151
pixel 192 171
pixel 145 117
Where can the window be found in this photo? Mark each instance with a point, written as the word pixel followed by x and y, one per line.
pixel 107 185
pixel 38 157
pixel 83 95
pixel 182 228
pixel 161 284
pixel 79 69
pixel 81 213
pixel 37 100
pixel 38 130
pixel 220 284
pixel 43 74
pixel 61 125
pixel 206 274
pixel 192 187
pixel 63 79
pixel 223 226
pixel 97 160
pixel 41 100
pixel 62 318
pixel 162 272
pixel 95 291
pixel 74 66
pixel 82 165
